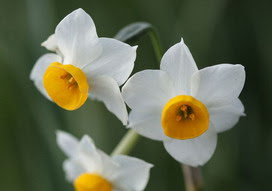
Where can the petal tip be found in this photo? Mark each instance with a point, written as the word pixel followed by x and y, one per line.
pixel 59 132
pixel 87 138
pixel 125 122
pixel 181 40
pixel 79 10
pixel 124 118
pixel 63 135
pixel 135 47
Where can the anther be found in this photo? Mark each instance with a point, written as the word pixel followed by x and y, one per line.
pixel 192 116
pixel 178 118
pixel 71 80
pixel 184 108
pixel 64 76
pixel 71 86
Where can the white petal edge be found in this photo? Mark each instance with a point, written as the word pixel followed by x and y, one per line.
pixel 72 169
pixel 216 84
pixel 67 143
pixel 133 174
pixel 148 88
pixel 116 60
pixel 86 145
pixel 178 62
pixel 226 115
pixel 106 89
pixel 39 69
pixel 109 165
pixel 51 43
pixel 147 122
pixel 193 152
pixel 77 39
pixel 88 156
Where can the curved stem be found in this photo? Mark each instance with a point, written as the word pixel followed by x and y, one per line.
pixel 127 143
pixel 156 44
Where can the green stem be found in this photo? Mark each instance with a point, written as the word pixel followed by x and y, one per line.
pixel 127 143
pixel 156 44
pixel 192 178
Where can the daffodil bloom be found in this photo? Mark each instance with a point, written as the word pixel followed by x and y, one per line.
pixel 83 66
pixel 185 107
pixel 90 169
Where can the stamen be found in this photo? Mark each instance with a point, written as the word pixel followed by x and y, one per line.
pixel 72 80
pixel 71 86
pixel 178 118
pixel 192 116
pixel 184 108
pixel 64 76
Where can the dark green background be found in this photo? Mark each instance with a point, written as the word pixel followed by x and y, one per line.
pixel 216 31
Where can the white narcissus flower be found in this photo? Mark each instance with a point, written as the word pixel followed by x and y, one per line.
pixel 185 107
pixel 90 169
pixel 83 66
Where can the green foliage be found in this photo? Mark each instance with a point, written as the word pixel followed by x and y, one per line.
pixel 132 32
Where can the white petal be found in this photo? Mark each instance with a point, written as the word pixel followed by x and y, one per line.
pixel 219 83
pixel 77 39
pixel 107 90
pixel 146 93
pixel 86 145
pixel 148 88
pixel 226 115
pixel 116 61
pixel 193 152
pixel 147 122
pixel 109 165
pixel 88 156
pixel 133 173
pixel 68 143
pixel 51 43
pixel 180 65
pixel 39 69
pixel 72 169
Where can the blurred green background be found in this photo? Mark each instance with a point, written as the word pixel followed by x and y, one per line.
pixel 216 31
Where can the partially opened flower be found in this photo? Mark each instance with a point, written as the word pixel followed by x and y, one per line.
pixel 185 107
pixel 90 169
pixel 84 65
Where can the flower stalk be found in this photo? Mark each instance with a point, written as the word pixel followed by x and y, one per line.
pixel 192 178
pixel 156 44
pixel 127 143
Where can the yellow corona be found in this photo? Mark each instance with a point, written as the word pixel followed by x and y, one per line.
pixel 92 182
pixel 184 117
pixel 66 85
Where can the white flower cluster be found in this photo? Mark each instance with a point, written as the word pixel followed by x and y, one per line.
pixel 180 105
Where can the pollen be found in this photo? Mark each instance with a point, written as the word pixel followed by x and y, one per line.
pixel 66 85
pixel 184 117
pixel 92 182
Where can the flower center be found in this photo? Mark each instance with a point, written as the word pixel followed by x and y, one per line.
pixel 67 85
pixel 184 117
pixel 92 182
